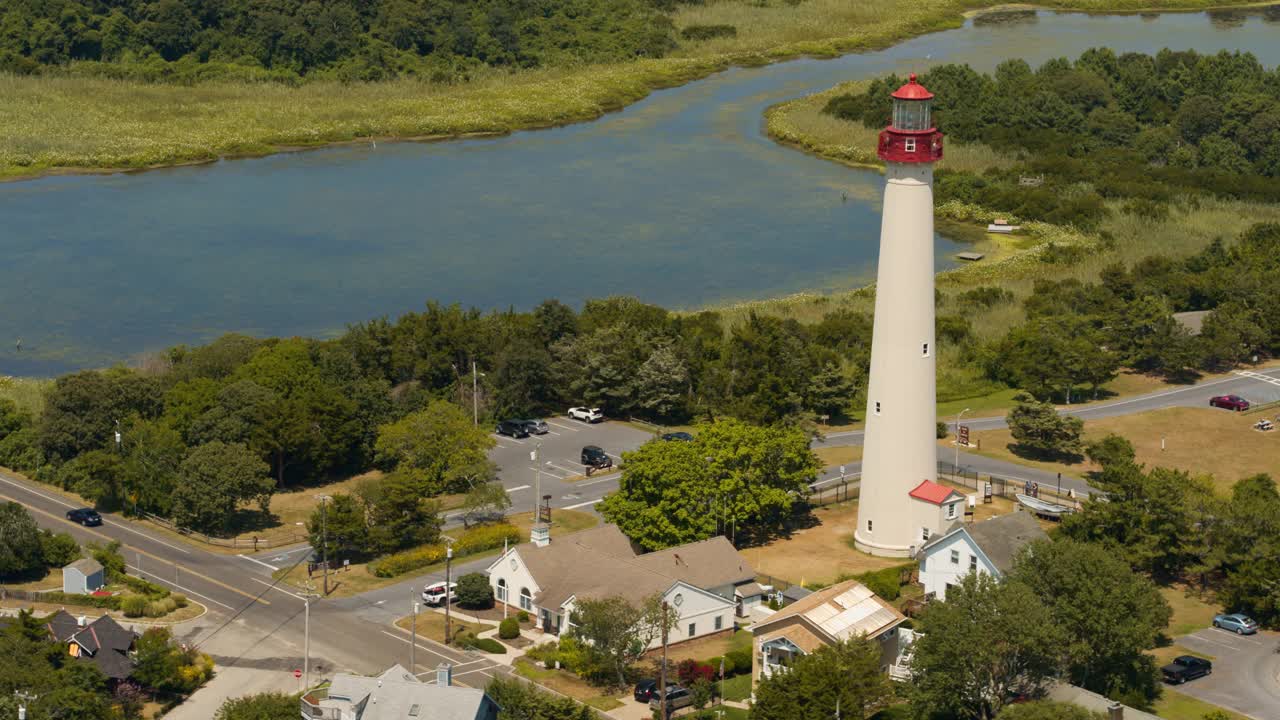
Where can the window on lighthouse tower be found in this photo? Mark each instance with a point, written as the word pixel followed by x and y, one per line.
pixel 909 145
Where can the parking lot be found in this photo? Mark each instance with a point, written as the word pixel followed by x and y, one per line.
pixel 559 468
pixel 1246 671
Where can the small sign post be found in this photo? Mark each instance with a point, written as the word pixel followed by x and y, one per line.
pixel 963 436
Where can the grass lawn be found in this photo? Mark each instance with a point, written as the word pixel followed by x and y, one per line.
pixel 737 687
pixel 52 580
pixel 704 649
pixel 191 611
pixel 1174 705
pixel 1165 655
pixel 817 554
pixel 567 683
pixel 431 625
pixel 1238 451
pixel 563 522
pixel 1191 612
pixel 836 456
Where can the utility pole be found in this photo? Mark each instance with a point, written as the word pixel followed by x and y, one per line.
pixel 475 403
pixel 956 466
pixel 413 647
pixel 23 699
pixel 324 538
pixel 506 591
pixel 448 593
pixel 662 672
pixel 306 637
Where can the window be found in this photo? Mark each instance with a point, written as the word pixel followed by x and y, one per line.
pixel 924 349
pixel 502 589
pixel 924 533
pixel 973 563
pixel 909 144
pixel 693 629
pixel 877 407
pixel 955 557
pixel 719 622
pixel 951 511
pixel 868 526
pixel 526 599
pixel 922 563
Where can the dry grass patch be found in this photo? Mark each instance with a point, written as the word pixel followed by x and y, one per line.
pixel 52 580
pixel 705 648
pixel 818 554
pixel 1191 610
pixel 563 522
pixel 840 455
pixel 431 626
pixel 566 683
pixel 1204 440
pixel 1174 705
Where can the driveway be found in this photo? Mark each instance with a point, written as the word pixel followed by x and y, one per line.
pixel 1246 671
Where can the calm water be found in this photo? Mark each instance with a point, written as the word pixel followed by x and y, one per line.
pixel 679 200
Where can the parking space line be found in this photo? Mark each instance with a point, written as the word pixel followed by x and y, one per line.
pixel 564 469
pixel 607 478
pixel 581 505
pixel 517 488
pixel 552 473
pixel 1211 640
pixel 615 457
pixel 1236 636
pixel 504 437
pixel 563 427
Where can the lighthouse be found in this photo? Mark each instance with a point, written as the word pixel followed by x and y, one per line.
pixel 900 504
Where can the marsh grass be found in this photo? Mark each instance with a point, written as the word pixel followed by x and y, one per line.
pixel 26 393
pixel 52 123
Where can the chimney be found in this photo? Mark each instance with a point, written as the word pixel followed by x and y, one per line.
pixel 540 535
pixel 1115 711
pixel 444 675
pixel 82 621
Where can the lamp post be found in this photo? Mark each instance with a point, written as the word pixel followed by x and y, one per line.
pixel 448 592
pixel 413 647
pixel 662 673
pixel 324 538
pixel 306 637
pixel 475 386
pixel 956 466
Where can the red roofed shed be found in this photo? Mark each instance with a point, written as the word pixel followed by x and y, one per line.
pixel 932 492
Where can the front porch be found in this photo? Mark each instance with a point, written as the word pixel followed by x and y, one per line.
pixel 776 655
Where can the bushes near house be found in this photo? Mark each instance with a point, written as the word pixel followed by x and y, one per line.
pixel 106 602
pixel 509 628
pixel 134 606
pixel 470 642
pixel 739 659
pixel 474 591
pixel 477 539
pixel 144 587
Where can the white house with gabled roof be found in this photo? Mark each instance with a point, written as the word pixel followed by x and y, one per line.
pixel 988 547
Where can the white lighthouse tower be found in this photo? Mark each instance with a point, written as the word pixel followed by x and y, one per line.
pixel 900 503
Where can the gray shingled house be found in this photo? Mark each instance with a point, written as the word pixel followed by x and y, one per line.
pixel 397 695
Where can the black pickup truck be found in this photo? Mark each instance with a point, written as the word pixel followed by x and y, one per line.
pixel 1184 668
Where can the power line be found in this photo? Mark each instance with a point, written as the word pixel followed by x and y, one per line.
pixel 249 604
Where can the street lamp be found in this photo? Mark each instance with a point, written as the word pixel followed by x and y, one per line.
pixel 413 647
pixel 324 535
pixel 448 592
pixel 956 466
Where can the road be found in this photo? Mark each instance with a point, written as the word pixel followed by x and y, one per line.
pixel 248 612
pixel 1246 671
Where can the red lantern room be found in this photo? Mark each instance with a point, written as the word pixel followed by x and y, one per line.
pixel 911 137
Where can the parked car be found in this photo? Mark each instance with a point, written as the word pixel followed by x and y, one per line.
pixel 536 427
pixel 680 436
pixel 646 690
pixel 1229 402
pixel 87 517
pixel 595 457
pixel 434 593
pixel 677 697
pixel 588 415
pixel 513 428
pixel 1236 623
pixel 1184 668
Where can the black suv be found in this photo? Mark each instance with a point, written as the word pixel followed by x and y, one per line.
pixel 1184 668
pixel 513 428
pixel 680 436
pixel 596 458
pixel 646 690
pixel 87 517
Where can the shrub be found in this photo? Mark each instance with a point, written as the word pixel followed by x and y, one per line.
pixel 403 562
pixel 477 539
pixel 134 606
pixel 522 616
pixel 57 597
pixel 691 671
pixel 883 582
pixel 708 32
pixel 715 665
pixel 739 658
pixel 58 549
pixel 179 600
pixel 542 653
pixel 144 587
pixel 161 607
pixel 488 645
pixel 509 628
pixel 485 537
pixel 474 591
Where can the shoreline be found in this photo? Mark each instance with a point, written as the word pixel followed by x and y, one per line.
pixel 665 73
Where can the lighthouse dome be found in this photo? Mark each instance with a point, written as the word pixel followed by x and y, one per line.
pixel 912 91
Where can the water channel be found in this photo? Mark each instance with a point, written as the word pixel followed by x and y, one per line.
pixel 679 199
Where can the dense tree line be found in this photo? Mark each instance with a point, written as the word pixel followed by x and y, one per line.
pixel 349 39
pixel 1077 334
pixel 1142 127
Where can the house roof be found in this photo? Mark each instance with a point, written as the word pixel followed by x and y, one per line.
pixel 796 592
pixel 104 633
pixel 797 634
pixel 62 625
pixel 601 562
pixel 840 611
pixel 932 492
pixel 1002 537
pixel 397 694
pixel 751 589
pixel 86 566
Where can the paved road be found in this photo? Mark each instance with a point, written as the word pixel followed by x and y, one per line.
pixel 1246 671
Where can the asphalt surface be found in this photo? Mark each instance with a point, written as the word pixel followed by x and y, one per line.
pixel 1246 671
pixel 357 635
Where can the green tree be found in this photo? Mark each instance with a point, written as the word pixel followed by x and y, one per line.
pixel 988 642
pixel 438 448
pixel 1040 431
pixel 519 700
pixel 845 676
pixel 474 591
pixel 661 384
pixel 81 409
pixel 96 475
pixel 1048 710
pixel 58 549
pixel 214 479
pixel 398 515
pixel 1111 616
pixel 1110 450
pixel 1231 334
pixel 160 664
pixel 154 451
pixel 12 418
pixel 484 501
pixel 617 633
pixel 1244 547
pixel 830 392
pixel 343 521
pixel 110 558
pixel 1198 117
pixel 20 549
pixel 263 706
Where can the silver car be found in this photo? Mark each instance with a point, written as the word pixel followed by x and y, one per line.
pixel 536 427
pixel 1237 623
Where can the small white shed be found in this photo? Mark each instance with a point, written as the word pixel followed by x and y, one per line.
pixel 82 577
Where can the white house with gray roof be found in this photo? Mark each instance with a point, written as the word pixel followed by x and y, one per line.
pixel 702 582
pixel 397 695
pixel 988 547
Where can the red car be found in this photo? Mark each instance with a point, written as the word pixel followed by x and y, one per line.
pixel 1230 402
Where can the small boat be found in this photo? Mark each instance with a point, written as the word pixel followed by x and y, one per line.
pixel 1002 228
pixel 1044 508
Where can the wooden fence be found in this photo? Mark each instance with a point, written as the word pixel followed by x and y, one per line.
pixel 252 543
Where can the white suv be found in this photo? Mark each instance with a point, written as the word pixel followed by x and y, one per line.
pixel 590 415
pixel 434 594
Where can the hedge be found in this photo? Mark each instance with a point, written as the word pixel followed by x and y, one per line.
pixel 57 597
pixel 145 587
pixel 477 539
